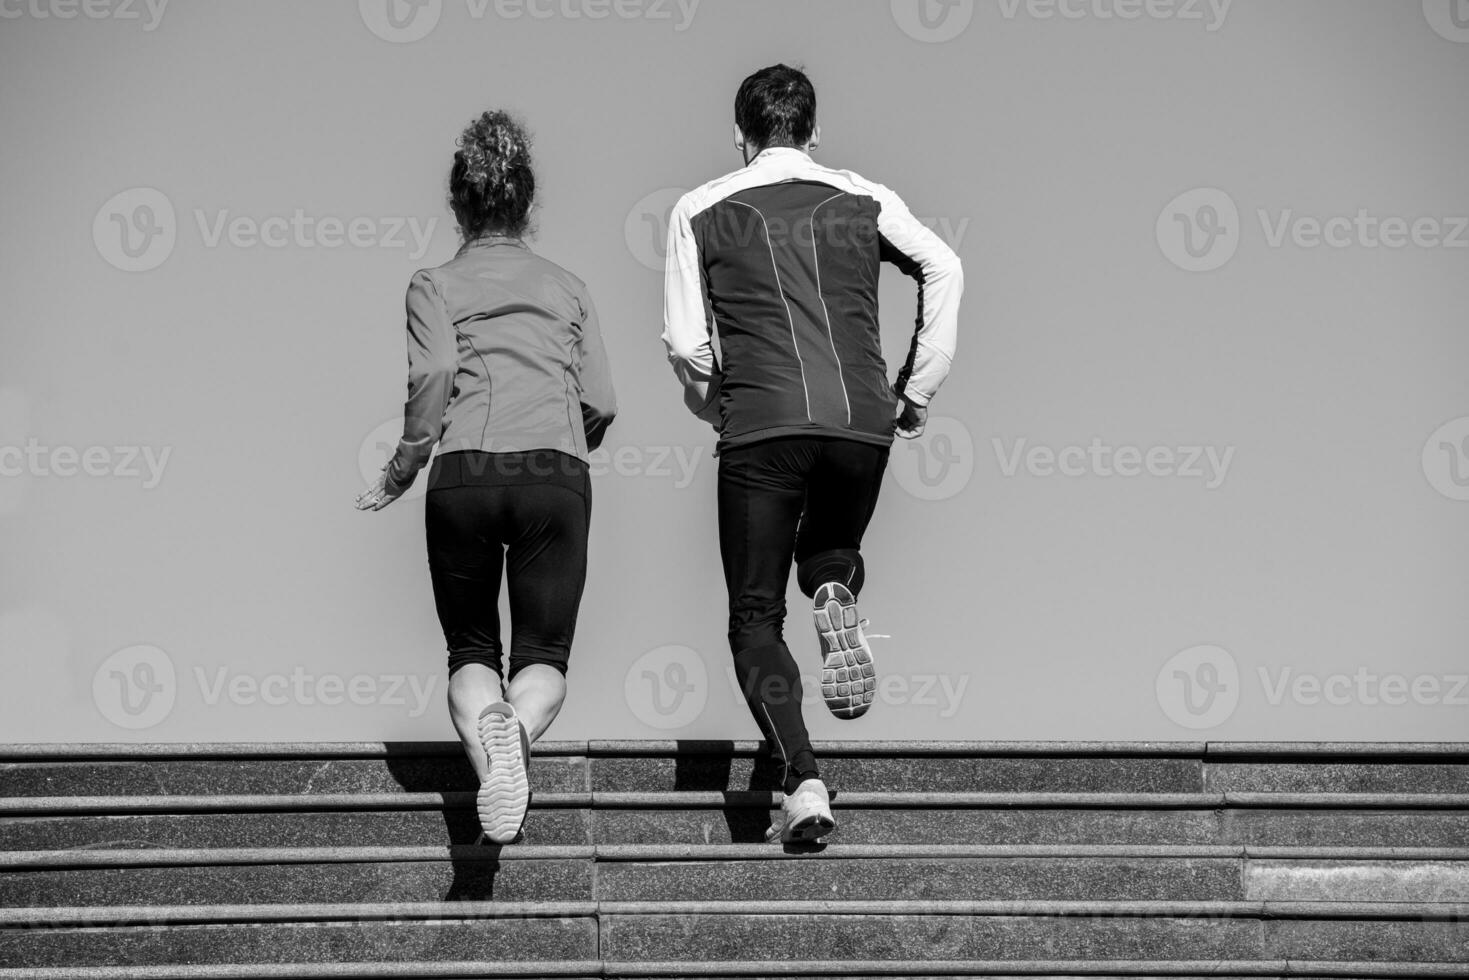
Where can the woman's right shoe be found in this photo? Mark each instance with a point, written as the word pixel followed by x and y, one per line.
pixel 505 793
pixel 848 674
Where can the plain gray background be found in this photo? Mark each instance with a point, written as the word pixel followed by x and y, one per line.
pixel 1072 152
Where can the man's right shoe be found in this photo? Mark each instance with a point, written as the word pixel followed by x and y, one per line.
pixel 848 675
pixel 806 815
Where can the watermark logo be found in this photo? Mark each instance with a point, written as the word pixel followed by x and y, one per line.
pixel 1209 464
pixel 1446 459
pixel 90 9
pixel 1211 13
pixel 645 230
pixel 1364 687
pixel 1199 230
pixel 135 230
pixel 135 687
pixel 938 464
pixel 932 21
pixel 1199 687
pixel 401 21
pixel 1448 18
pixel 377 448
pixel 678 465
pixel 414 692
pixel 143 463
pixel 667 687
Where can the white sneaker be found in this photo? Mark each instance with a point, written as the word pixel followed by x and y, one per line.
pixel 806 815
pixel 848 674
pixel 505 792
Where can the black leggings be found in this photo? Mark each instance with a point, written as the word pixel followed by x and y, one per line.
pixel 525 515
pixel 801 500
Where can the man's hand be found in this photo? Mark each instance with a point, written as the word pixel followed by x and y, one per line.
pixel 911 418
pixel 377 496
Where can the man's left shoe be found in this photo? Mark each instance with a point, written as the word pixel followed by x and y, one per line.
pixel 805 815
pixel 848 675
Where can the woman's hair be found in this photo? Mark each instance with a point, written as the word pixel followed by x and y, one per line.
pixel 492 185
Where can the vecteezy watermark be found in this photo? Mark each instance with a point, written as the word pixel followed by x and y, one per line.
pixel 938 464
pixel 1448 18
pixel 405 21
pixel 645 229
pixel 149 12
pixel 135 687
pixel 138 687
pixel 1209 464
pixel 943 693
pixel 1198 687
pixel 932 21
pixel 1201 687
pixel 1200 230
pixel 410 691
pixel 1363 686
pixel 137 229
pixel 145 463
pixel 1446 459
pixel 1210 13
pixel 677 464
pixel 667 688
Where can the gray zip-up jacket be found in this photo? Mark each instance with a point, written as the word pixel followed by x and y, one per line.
pixel 504 355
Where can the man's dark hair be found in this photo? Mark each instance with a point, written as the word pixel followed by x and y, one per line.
pixel 776 106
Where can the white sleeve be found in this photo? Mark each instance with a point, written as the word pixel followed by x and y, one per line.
pixel 687 321
pixel 920 253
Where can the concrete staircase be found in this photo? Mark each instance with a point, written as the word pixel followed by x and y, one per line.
pixel 644 859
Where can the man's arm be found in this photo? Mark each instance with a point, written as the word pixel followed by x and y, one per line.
pixel 687 330
pixel 432 363
pixel 919 253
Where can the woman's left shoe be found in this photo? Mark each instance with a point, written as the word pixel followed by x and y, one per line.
pixel 505 793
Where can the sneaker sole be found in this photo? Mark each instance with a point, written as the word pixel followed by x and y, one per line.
pixel 505 793
pixel 848 673
pixel 805 830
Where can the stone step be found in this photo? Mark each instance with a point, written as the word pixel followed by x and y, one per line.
pixel 92 937
pixel 745 970
pixel 834 932
pixel 642 873
pixel 1421 827
pixel 328 768
pixel 818 934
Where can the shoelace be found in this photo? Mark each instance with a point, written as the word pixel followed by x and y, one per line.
pixel 873 636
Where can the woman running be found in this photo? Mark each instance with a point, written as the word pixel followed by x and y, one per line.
pixel 508 374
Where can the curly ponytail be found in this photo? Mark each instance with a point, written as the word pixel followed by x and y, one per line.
pixel 492 184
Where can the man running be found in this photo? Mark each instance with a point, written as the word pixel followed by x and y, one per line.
pixel 777 263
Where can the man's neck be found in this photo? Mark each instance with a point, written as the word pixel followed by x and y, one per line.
pixel 804 150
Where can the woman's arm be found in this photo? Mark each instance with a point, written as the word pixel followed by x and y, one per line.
pixel 598 400
pixel 432 362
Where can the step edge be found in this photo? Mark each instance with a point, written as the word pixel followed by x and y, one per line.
pixel 64 917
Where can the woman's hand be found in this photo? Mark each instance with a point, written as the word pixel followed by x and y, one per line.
pixel 377 496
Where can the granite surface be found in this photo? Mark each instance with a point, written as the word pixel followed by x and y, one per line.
pixel 832 938
pixel 410 774
pixel 461 880
pixel 314 942
pixel 934 774
pixel 910 879
pixel 1335 777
